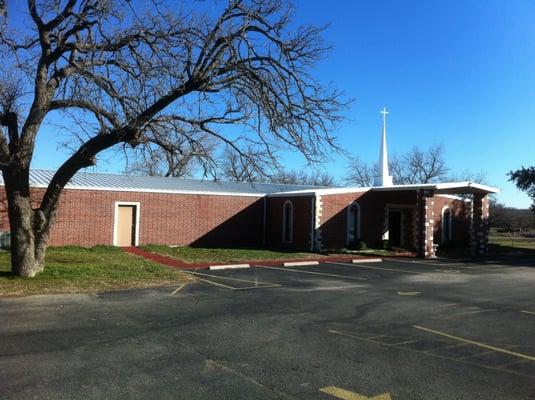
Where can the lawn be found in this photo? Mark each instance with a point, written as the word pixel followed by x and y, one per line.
pixel 226 255
pixel 513 242
pixel 78 269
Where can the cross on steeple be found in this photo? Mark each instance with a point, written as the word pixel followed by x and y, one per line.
pixel 384 112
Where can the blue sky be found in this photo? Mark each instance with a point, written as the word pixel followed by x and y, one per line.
pixel 461 73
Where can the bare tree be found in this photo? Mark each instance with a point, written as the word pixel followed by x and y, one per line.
pixel 237 168
pixel 169 151
pixel 359 173
pixel 419 166
pixel 415 166
pixel 301 177
pixel 120 71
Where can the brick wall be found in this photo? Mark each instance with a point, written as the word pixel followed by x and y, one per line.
pixel 302 221
pixel 460 221
pixel 86 218
pixel 373 209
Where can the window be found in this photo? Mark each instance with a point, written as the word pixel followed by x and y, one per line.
pixel 353 224
pixel 446 225
pixel 287 222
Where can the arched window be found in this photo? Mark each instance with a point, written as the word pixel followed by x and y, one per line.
pixel 446 225
pixel 287 222
pixel 353 224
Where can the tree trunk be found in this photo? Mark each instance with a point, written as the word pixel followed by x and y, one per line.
pixel 29 227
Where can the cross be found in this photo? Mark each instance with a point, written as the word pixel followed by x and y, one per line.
pixel 384 112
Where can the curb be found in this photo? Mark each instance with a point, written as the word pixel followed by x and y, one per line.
pixel 299 263
pixel 366 260
pixel 228 266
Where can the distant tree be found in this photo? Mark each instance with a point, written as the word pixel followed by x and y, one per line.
pixel 509 218
pixel 169 151
pixel 415 166
pixel 237 168
pixel 300 177
pixel 524 178
pixel 419 166
pixel 467 175
pixel 359 173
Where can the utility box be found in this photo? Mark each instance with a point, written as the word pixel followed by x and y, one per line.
pixel 5 240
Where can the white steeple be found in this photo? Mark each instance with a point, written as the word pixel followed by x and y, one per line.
pixel 383 178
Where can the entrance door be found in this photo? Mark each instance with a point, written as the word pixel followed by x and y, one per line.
pixel 126 225
pixel 394 228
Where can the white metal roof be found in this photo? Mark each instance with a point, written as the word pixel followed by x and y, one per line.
pixel 135 183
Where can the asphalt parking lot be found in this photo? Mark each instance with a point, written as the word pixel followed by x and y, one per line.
pixel 391 330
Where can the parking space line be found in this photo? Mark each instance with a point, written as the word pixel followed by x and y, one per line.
pixel 527 312
pixel 432 264
pixel 275 285
pixel 428 353
pixel 312 273
pixel 476 343
pixel 258 284
pixel 361 265
pixel 178 289
pixel 216 283
pixel 466 313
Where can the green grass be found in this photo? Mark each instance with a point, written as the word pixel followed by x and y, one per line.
pixel 76 269
pixel 201 255
pixel 512 242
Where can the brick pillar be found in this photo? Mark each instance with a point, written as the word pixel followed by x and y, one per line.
pixel 479 239
pixel 425 220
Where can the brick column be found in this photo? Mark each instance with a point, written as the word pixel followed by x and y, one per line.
pixel 425 220
pixel 479 238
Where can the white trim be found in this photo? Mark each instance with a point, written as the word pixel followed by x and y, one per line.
pixel 136 204
pixel 322 192
pixel 469 186
pixel 442 238
pixel 284 238
pixel 357 228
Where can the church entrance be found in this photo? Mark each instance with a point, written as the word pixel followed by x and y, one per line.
pixel 395 227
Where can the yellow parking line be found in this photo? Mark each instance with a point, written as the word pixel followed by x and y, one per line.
pixel 475 343
pixel 348 395
pixel 312 273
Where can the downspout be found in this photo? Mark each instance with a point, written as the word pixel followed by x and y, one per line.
pixel 264 219
pixel 313 223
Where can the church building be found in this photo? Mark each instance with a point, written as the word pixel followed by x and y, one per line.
pixel 124 210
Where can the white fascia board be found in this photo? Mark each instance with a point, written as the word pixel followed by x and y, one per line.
pixel 139 190
pixel 439 186
pixel 466 185
pixel 320 192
